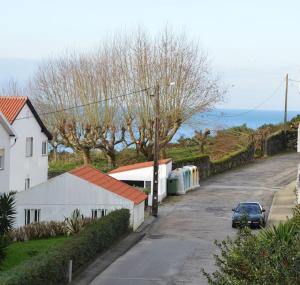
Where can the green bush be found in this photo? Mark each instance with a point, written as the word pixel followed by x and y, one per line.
pixel 51 266
pixel 271 257
pixel 3 247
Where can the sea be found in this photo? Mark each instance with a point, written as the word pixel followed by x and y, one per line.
pixel 225 118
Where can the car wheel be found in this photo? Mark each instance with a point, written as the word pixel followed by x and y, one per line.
pixel 234 225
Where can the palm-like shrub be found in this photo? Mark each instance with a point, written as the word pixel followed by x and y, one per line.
pixel 7 217
pixel 75 223
pixel 7 212
pixel 282 233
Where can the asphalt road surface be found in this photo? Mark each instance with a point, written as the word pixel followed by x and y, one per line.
pixel 181 241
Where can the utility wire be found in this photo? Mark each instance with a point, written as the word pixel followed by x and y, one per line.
pixel 250 110
pixel 87 104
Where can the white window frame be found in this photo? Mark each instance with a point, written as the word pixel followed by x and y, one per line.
pixel 2 158
pixel 29 146
pixel 32 216
pixel 44 148
pixel 27 183
pixel 99 213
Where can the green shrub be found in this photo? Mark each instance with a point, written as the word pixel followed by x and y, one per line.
pixel 7 212
pixel 51 267
pixel 271 257
pixel 3 246
pixel 193 158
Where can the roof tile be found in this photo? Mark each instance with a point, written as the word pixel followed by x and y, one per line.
pixel 10 106
pixel 109 183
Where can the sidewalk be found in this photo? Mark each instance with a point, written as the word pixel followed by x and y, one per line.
pixel 283 202
pixel 107 258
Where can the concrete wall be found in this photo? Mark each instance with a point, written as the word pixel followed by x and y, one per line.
pixel 146 174
pixel 4 173
pixel 138 215
pixel 59 197
pixel 22 167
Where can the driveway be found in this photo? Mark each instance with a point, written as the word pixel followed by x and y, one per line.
pixel 181 241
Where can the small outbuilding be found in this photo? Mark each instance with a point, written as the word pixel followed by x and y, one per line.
pixel 141 175
pixel 94 193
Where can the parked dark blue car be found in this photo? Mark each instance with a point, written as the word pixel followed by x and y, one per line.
pixel 252 212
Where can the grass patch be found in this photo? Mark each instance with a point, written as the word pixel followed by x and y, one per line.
pixel 19 252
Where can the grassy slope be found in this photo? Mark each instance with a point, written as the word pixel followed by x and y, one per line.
pixel 18 252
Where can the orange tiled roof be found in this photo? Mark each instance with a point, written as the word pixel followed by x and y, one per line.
pixel 139 165
pixel 109 183
pixel 10 106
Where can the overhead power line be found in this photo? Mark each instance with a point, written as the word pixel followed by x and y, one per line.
pixel 250 110
pixel 87 104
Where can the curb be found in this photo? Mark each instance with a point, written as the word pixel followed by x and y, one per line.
pixel 104 260
pixel 272 212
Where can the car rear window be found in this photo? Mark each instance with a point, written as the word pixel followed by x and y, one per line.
pixel 248 208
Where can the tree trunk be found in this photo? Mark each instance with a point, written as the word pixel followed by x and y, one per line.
pixel 55 154
pixel 111 158
pixel 86 156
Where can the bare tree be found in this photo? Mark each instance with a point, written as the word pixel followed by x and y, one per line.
pixel 147 62
pixel 74 90
pixel 87 92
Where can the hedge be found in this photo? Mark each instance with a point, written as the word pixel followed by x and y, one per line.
pixel 192 158
pixel 51 267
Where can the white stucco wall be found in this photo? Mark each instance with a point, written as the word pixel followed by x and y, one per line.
pixel 146 174
pixel 4 173
pixel 59 197
pixel 22 167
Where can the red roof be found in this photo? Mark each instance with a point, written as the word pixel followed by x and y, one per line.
pixel 109 183
pixel 139 165
pixel 10 106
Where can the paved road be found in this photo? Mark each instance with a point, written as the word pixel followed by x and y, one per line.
pixel 180 243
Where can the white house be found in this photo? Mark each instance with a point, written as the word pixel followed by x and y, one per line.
pixel 7 135
pixel 141 175
pixel 92 192
pixel 24 154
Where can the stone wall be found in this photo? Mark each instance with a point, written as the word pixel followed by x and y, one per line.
pixel 276 143
pixel 208 168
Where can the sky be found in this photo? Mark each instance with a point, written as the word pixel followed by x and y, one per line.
pixel 251 44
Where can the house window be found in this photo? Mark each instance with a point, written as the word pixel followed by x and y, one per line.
pixel 98 213
pixel 37 215
pixel 32 216
pixel 29 147
pixel 1 159
pixel 27 183
pixel 94 214
pixel 44 148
